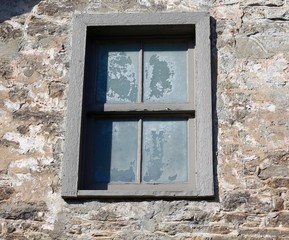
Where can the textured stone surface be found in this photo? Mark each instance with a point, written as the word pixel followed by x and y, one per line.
pixel 6 192
pixel 22 210
pixel 250 58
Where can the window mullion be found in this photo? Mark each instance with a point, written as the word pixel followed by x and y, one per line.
pixel 140 77
pixel 140 122
pixel 139 150
pixel 190 74
pixel 191 137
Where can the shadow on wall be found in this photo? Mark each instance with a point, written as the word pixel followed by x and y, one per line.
pixel 214 78
pixel 11 8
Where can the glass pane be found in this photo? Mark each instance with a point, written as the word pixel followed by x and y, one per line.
pixel 164 150
pixel 117 75
pixel 115 153
pixel 165 72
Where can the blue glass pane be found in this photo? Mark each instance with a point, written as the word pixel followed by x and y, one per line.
pixel 164 156
pixel 165 72
pixel 117 74
pixel 115 154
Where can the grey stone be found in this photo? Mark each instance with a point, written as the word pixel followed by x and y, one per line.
pixel 57 9
pixel 259 232
pixel 274 171
pixel 262 39
pixel 23 129
pixel 6 191
pixel 8 33
pixel 56 89
pixel 5 69
pixel 9 49
pixel 10 228
pixel 103 215
pixel 28 72
pixel 263 3
pixel 18 94
pixel 22 210
pixel 235 199
pixel 7 143
pixel 279 182
pixel 251 48
pixel 39 28
pixel 15 236
pixel 25 114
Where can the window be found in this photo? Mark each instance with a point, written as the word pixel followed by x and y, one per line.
pixel 139 107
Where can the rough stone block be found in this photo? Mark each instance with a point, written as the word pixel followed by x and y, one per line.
pixel 263 3
pixel 22 210
pixel 234 200
pixel 6 192
pixel 274 171
pixel 277 182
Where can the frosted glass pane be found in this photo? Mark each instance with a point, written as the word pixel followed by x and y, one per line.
pixel 164 150
pixel 117 75
pixel 115 153
pixel 165 72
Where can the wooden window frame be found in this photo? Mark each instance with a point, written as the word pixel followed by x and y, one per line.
pixel 198 109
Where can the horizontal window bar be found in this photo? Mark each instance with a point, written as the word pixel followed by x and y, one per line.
pixel 140 107
pixel 184 186
pixel 177 113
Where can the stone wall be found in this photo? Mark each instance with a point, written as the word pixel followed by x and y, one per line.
pixel 250 66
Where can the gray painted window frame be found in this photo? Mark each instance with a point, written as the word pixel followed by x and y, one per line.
pixel 201 127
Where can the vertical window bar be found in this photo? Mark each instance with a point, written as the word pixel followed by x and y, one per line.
pixel 139 151
pixel 190 73
pixel 140 122
pixel 140 81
